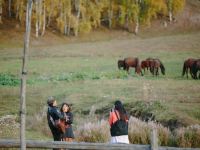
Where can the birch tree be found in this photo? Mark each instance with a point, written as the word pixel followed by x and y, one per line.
pixel 1 11
pixel 174 6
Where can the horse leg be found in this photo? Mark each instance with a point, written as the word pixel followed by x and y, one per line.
pixel 127 69
pixel 199 75
pixel 193 74
pixel 186 72
pixel 157 72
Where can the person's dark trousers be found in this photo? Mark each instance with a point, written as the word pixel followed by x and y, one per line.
pixel 56 136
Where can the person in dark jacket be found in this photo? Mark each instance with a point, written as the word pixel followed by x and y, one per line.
pixel 66 112
pixel 53 114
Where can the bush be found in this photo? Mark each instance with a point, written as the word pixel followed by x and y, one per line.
pixel 8 79
pixel 93 132
pixel 139 132
pixel 9 126
pixel 188 137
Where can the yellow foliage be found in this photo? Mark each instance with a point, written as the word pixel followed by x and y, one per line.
pixel 85 27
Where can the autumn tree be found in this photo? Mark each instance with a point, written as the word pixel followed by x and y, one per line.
pixel 74 17
pixel 174 6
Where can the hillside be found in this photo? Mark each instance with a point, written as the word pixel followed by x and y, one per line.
pixel 187 20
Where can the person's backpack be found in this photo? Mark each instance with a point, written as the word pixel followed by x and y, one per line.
pixel 120 127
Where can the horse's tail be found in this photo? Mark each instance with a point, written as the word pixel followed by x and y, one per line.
pixel 162 68
pixel 184 69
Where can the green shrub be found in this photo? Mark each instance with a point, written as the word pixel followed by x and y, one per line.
pixel 8 79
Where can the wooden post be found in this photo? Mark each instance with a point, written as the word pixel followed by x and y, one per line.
pixel 154 139
pixel 23 77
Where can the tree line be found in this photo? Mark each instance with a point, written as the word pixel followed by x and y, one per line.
pixel 72 17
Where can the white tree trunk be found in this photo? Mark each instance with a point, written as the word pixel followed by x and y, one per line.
pixel 1 11
pixel 69 26
pixel 37 19
pixel 44 19
pixel 170 16
pixel 23 77
pixel 40 15
pixel 137 25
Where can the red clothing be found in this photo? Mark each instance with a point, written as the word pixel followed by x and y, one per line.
pixel 113 117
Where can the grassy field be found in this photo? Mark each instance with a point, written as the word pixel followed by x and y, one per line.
pixel 85 74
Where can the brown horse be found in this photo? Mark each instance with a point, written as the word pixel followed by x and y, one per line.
pixel 133 62
pixel 188 66
pixel 146 64
pixel 196 68
pixel 121 64
pixel 155 64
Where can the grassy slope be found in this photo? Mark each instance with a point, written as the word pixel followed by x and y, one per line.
pixel 179 95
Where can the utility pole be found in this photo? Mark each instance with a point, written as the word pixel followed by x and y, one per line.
pixel 23 77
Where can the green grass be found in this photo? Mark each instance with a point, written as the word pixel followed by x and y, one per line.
pixel 86 75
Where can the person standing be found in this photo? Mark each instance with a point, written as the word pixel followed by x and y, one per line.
pixel 118 120
pixel 66 112
pixel 53 114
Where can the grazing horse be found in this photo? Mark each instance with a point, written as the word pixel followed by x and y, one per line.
pixel 188 65
pixel 155 64
pixel 121 64
pixel 146 64
pixel 133 62
pixel 196 68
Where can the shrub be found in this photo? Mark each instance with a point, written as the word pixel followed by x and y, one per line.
pixel 8 79
pixel 9 126
pixel 188 137
pixel 139 132
pixel 93 132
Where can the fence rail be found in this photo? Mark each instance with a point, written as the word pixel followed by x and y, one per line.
pixel 5 143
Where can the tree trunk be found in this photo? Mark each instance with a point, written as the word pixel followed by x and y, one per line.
pixel 44 19
pixel 137 25
pixel 23 77
pixel 69 26
pixel 37 19
pixel 50 13
pixel 110 14
pixel 170 16
pixel 77 7
pixel 65 19
pixel 9 8
pixel 40 15
pixel 1 11
pixel 17 9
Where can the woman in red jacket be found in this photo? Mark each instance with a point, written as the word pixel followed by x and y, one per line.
pixel 118 121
